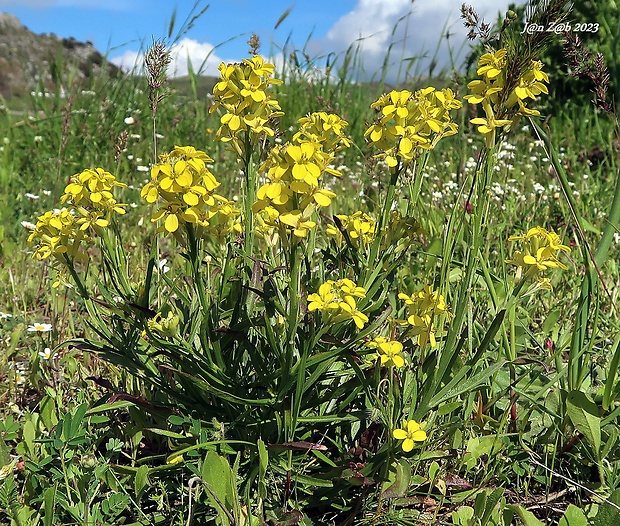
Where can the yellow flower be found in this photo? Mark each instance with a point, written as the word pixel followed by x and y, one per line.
pixel 389 353
pixel 492 64
pixel 488 125
pixel 336 301
pixel 411 433
pixel 540 253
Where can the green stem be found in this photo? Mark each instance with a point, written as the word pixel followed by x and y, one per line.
pixel 250 197
pixel 195 261
pixel 383 221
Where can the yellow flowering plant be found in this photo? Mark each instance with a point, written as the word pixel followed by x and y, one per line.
pixel 284 321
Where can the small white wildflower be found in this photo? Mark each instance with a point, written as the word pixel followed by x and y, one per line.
pixel 129 121
pixel 47 192
pixel 538 188
pixel 40 327
pixel 29 225
pixel 163 268
pixel 47 354
pixel 617 238
pixel 135 136
pixel 31 196
pixel 37 138
pixel 142 168
pixel 5 315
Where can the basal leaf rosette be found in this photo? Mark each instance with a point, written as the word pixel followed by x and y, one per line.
pixel 185 189
pixel 409 123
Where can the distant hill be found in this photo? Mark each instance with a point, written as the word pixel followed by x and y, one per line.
pixel 29 61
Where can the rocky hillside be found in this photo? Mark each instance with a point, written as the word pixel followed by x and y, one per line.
pixel 27 59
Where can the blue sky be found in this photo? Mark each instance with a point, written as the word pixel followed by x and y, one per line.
pixel 121 28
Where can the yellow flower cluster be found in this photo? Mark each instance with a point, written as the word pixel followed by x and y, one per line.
pixel 360 227
pixel 540 252
pixel 409 123
pixel 424 307
pixel 243 93
pixel 502 109
pixel 292 193
pixel 325 128
pixel 187 187
pixel 90 205
pixel 388 351
pixel 336 301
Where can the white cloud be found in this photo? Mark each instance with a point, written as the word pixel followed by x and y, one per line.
pixel 200 54
pixel 405 29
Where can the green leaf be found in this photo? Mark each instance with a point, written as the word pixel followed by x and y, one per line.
pixel 490 508
pixel 527 517
pixel 103 408
pixel 166 433
pixel 141 480
pixel 398 480
pixel 220 484
pixel 457 386
pixel 49 502
pixel 463 516
pixel 573 516
pixel 612 371
pixel 584 414
pixel 263 462
pixel 609 512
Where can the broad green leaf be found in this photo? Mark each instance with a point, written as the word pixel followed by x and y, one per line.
pixel 141 480
pixel 463 515
pixel 527 517
pixel 573 516
pixel 584 414
pixel 490 508
pixel 220 483
pixel 609 511
pixel 398 480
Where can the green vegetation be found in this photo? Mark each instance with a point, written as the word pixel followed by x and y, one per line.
pixel 299 301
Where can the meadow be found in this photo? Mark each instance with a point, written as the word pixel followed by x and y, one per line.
pixel 292 298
